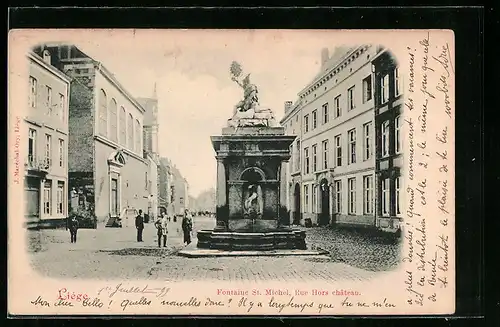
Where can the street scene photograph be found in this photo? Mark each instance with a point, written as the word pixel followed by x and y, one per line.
pixel 213 156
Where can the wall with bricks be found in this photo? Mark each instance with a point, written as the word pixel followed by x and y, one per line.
pixel 81 111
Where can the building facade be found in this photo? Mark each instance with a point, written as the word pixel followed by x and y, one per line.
pixel 150 141
pixel 107 165
pixel 389 104
pixel 174 188
pixel 165 187
pixel 46 163
pixel 151 124
pixel 180 191
pixel 332 170
pixel 151 183
pixel 293 121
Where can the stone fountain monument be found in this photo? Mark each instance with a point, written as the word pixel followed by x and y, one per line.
pixel 251 190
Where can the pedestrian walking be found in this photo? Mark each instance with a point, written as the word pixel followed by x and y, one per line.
pixel 162 229
pixel 187 226
pixel 139 225
pixel 73 228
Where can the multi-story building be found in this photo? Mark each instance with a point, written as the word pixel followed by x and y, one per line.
pixel 46 164
pixel 165 187
pixel 293 124
pixel 181 192
pixel 332 177
pixel 389 104
pixel 151 124
pixel 150 141
pixel 179 188
pixel 151 184
pixel 106 160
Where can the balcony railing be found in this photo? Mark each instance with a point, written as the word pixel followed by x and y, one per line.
pixel 37 164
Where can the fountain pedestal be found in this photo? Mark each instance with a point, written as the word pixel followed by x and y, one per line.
pixel 251 191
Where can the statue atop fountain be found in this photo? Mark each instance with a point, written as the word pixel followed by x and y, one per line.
pixel 248 112
pixel 251 192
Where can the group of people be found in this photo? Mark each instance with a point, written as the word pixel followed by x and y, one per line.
pixel 161 225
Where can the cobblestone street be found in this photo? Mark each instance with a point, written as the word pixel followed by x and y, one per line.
pixel 105 253
pixel 357 248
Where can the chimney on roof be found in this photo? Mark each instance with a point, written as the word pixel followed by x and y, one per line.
pixel 46 57
pixel 288 105
pixel 324 56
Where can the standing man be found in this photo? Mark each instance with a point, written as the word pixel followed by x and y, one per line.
pixel 162 229
pixel 139 224
pixel 187 226
pixel 73 228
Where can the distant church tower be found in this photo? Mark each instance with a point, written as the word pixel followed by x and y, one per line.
pixel 154 123
pixel 151 124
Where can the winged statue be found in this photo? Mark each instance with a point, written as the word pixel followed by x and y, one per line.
pixel 248 109
pixel 250 91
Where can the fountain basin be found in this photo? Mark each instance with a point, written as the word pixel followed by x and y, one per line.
pixel 244 240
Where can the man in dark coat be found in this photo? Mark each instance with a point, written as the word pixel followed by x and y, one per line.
pixel 73 228
pixel 139 224
pixel 187 226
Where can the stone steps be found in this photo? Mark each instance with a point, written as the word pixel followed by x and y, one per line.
pixel 250 241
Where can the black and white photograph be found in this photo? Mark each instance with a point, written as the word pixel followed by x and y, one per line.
pixel 299 171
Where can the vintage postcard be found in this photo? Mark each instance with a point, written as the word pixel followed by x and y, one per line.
pixel 231 172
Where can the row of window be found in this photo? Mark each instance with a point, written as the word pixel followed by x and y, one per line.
pixel 386 137
pixel 48 152
pixel 311 120
pixel 122 128
pixel 352 156
pixel 368 145
pixel 384 86
pixel 60 198
pixel 58 108
pixel 368 196
pixel 311 124
pixel 386 196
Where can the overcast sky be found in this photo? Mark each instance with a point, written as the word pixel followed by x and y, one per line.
pixel 191 69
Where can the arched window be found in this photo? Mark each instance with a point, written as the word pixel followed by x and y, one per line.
pixel 130 129
pixel 123 126
pixel 113 121
pixel 103 113
pixel 138 135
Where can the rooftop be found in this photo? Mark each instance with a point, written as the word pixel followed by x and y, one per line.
pixel 339 54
